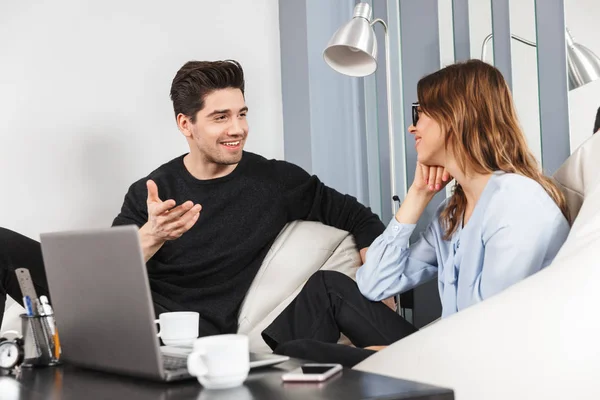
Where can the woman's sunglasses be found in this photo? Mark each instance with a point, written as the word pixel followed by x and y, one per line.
pixel 415 113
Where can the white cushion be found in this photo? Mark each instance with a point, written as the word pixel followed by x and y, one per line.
pixel 539 339
pixel 580 173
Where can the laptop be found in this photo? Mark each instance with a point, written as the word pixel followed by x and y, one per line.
pixel 103 307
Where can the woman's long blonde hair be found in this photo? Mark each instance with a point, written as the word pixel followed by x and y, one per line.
pixel 473 105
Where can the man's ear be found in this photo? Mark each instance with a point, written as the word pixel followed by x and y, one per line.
pixel 184 123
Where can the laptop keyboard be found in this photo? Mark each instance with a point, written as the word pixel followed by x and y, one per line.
pixel 171 363
pixel 178 360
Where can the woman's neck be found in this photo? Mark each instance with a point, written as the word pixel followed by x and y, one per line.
pixel 472 184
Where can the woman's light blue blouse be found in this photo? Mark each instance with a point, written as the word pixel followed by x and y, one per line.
pixel 515 230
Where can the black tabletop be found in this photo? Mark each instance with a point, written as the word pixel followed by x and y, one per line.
pixel 69 382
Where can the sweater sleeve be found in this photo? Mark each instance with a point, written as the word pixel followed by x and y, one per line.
pixel 307 198
pixel 134 210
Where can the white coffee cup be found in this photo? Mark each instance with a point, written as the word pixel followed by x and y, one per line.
pixel 220 361
pixel 179 328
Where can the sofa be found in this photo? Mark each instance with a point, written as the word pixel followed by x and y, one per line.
pixel 540 338
pixel 300 249
pixel 536 340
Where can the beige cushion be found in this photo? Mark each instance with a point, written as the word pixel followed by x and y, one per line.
pixel 536 340
pixel 579 173
pixel 301 249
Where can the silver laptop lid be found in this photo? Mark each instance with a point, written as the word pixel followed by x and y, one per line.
pixel 101 297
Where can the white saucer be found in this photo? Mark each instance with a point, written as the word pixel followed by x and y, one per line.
pixel 257 360
pixel 179 342
pixel 222 382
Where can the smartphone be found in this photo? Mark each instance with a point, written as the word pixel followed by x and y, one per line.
pixel 312 373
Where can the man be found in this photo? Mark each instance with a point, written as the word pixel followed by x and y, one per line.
pixel 208 218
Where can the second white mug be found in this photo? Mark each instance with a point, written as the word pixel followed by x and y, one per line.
pixel 179 328
pixel 220 361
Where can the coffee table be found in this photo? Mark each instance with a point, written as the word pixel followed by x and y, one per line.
pixel 69 382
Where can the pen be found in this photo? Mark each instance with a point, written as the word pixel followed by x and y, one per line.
pixel 49 313
pixel 46 311
pixel 28 306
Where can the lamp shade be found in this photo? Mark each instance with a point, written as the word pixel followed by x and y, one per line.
pixel 352 49
pixel 583 64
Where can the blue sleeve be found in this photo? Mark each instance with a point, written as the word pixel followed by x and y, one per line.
pixel 391 267
pixel 520 243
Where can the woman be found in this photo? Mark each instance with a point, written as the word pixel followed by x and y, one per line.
pixel 504 221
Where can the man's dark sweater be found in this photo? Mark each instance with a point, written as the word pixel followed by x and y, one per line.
pixel 210 268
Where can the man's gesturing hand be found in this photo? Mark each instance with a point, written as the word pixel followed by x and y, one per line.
pixel 165 221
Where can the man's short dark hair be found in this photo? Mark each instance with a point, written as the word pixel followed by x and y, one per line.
pixel 197 79
pixel 597 123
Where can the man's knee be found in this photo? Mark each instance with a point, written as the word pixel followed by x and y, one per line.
pixel 315 282
pixel 335 279
pixel 330 280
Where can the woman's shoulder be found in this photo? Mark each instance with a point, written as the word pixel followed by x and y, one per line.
pixel 511 188
pixel 515 197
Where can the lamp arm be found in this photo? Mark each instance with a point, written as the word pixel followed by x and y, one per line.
pixel 484 45
pixel 382 22
pixel 524 41
pixel 515 37
pixel 388 81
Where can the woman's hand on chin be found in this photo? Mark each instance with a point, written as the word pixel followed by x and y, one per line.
pixel 430 179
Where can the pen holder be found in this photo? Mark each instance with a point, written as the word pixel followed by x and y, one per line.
pixel 41 347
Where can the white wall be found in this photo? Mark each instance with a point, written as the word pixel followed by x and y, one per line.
pixel 446 29
pixel 84 97
pixel 524 72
